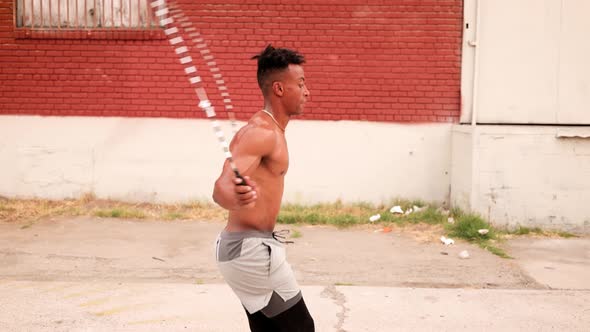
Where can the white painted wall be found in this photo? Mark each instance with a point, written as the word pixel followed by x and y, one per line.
pixel 461 166
pixel 524 175
pixel 524 62
pixel 532 62
pixel 168 160
pixel 574 67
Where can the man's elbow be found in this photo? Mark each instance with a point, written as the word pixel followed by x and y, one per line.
pixel 215 194
pixel 218 196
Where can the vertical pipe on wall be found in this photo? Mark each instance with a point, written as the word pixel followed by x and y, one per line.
pixel 474 190
pixel 475 44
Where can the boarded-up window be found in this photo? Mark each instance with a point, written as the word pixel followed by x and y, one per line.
pixel 84 14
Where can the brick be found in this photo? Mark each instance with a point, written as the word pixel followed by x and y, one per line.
pixel 396 60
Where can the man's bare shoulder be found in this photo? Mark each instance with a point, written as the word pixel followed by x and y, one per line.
pixel 258 125
pixel 257 133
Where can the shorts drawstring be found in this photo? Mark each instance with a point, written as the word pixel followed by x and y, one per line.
pixel 281 236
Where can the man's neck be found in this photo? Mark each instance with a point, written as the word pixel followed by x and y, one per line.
pixel 281 118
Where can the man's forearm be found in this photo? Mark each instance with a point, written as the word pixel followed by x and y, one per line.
pixel 223 197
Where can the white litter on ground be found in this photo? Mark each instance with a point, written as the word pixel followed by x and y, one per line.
pixel 396 209
pixel 374 218
pixel 447 241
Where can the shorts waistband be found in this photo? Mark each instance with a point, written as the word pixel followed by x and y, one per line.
pixel 244 234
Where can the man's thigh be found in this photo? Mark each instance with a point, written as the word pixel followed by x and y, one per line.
pixel 295 319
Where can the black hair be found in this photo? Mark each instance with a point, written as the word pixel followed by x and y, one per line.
pixel 275 59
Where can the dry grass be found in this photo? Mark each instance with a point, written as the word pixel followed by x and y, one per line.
pixel 32 210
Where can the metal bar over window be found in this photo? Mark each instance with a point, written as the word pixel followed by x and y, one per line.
pixel 84 14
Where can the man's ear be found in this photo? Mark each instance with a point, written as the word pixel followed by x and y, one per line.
pixel 277 88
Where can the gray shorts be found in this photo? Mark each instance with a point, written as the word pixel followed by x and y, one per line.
pixel 254 265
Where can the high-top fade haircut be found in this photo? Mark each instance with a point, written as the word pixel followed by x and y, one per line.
pixel 272 60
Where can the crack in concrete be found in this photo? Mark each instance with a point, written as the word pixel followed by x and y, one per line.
pixel 340 300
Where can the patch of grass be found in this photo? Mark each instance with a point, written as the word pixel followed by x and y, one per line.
pixel 345 215
pixel 31 210
pixel 314 218
pixel 87 197
pixel 430 215
pixel 343 284
pixel 337 214
pixel 174 215
pixel 120 213
pixel 288 218
pixel 522 231
pixel 526 230
pixel 566 235
pixel 467 226
pixel 486 245
pixel 344 220
pixel 456 212
pixel 295 234
pixel 28 211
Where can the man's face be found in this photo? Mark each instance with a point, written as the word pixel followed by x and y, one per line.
pixel 295 92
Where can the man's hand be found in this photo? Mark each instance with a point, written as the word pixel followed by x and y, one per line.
pixel 246 193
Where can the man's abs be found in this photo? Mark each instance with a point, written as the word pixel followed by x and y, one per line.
pixel 261 216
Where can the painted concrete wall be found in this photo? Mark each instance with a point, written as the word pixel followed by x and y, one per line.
pixel 523 175
pixel 461 166
pixel 526 61
pixel 170 160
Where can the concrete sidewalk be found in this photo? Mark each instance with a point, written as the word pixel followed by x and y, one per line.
pixel 88 274
pixel 100 306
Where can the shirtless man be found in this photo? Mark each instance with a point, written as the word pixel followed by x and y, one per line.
pixel 250 255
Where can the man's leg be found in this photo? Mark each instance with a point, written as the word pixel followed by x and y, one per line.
pixel 294 319
pixel 260 323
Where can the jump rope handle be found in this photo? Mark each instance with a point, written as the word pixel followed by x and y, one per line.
pixel 239 176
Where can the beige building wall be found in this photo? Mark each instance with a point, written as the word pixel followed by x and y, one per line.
pixel 521 156
pixel 523 176
pixel 526 62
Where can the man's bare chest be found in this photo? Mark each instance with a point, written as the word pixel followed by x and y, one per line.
pixel 278 161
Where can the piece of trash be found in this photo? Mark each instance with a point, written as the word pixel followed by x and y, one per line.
pixel 464 254
pixel 446 241
pixel 408 211
pixel 396 209
pixel 444 253
pixel 375 218
pixel 483 231
pixel 451 220
pixel 386 230
pixel 158 259
pixel 418 209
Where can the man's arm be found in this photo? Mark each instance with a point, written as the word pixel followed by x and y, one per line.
pixel 248 148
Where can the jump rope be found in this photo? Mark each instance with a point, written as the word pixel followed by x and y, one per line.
pixel 176 24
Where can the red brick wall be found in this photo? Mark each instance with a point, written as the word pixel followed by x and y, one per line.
pixel 378 60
